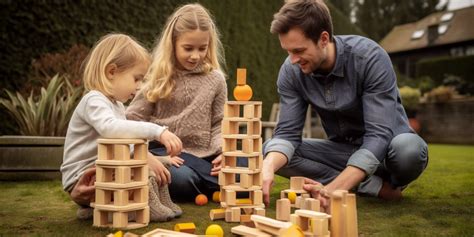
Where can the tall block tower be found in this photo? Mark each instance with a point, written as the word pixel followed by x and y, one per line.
pixel 121 184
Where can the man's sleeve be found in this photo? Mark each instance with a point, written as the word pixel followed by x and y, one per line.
pixel 379 101
pixel 287 134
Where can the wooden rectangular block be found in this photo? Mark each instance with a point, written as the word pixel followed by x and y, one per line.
pixel 120 219
pixel 241 76
pixel 338 219
pixel 296 183
pixel 103 174
pixel 229 161
pixel 257 197
pixel 121 197
pixel 123 174
pixel 311 204
pixel 269 225
pixel 255 162
pixel 104 152
pixel 231 110
pixel 121 152
pixel 232 214
pixel 351 215
pixel 143 216
pixel 229 197
pixel 100 218
pixel 140 151
pixel 259 211
pixel 230 144
pixel 140 173
pixel 283 209
pixel 187 227
pixel 230 127
pixel 245 180
pixel 319 227
pixel 254 128
pixel 248 231
pixel 216 214
pixel 140 195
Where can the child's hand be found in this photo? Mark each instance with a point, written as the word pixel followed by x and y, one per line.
pixel 163 176
pixel 84 190
pixel 177 161
pixel 216 165
pixel 171 142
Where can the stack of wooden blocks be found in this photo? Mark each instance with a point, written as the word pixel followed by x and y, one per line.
pixel 246 144
pixel 121 184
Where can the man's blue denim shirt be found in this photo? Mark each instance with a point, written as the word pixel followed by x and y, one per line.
pixel 358 102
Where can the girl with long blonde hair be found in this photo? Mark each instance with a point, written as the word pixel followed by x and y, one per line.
pixel 186 91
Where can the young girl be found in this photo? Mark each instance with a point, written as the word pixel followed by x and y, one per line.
pixel 113 74
pixel 186 91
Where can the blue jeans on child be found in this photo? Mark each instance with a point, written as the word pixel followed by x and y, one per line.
pixel 193 177
pixel 323 160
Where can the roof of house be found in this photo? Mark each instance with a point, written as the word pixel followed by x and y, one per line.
pixel 459 28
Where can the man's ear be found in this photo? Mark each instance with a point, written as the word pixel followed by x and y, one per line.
pixel 324 38
pixel 110 71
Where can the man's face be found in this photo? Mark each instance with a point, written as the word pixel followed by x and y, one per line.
pixel 303 51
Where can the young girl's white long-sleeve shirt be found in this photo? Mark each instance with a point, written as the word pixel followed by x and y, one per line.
pixel 97 116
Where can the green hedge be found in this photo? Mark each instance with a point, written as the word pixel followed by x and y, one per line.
pixel 440 68
pixel 30 28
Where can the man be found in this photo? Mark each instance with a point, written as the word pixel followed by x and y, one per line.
pixel 350 82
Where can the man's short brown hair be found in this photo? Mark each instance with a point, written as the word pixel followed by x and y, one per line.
pixel 311 16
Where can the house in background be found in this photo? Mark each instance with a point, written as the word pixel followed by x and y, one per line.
pixel 448 33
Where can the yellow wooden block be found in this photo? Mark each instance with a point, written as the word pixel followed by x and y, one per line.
pixel 242 201
pixel 187 227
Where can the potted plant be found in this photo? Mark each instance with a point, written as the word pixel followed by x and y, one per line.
pixel 410 100
pixel 42 122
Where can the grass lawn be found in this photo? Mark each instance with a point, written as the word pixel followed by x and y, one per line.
pixel 439 203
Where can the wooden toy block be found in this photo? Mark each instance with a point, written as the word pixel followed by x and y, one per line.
pixel 187 227
pixel 140 173
pixel 229 161
pixel 158 232
pixel 319 227
pixel 254 128
pixel 228 196
pixel 255 162
pixel 121 197
pixel 143 216
pixel 232 214
pixel 245 181
pixel 120 219
pixel 225 179
pixel 252 111
pixel 123 174
pixel 251 145
pixel 299 202
pixel 259 211
pixel 311 204
pixel 296 183
pixel 229 145
pixel 229 127
pixel 245 219
pixel 216 214
pixel 131 162
pixel 269 225
pixel 140 151
pixel 243 201
pixel 283 209
pixel 338 219
pixel 248 231
pixel 241 76
pixel 231 110
pixel 351 215
pixel 300 196
pixel 257 197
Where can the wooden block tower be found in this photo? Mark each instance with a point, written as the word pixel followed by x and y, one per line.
pixel 241 133
pixel 121 184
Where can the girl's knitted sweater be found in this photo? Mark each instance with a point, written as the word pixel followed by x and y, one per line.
pixel 193 111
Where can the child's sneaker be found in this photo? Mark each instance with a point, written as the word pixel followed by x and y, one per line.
pixel 84 213
pixel 158 212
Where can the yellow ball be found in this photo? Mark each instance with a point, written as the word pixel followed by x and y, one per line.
pixel 292 197
pixel 216 196
pixel 215 230
pixel 293 231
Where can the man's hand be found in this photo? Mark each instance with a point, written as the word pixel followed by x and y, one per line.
pixel 172 143
pixel 84 190
pixel 162 174
pixel 177 161
pixel 216 165
pixel 267 182
pixel 317 191
pixel 272 162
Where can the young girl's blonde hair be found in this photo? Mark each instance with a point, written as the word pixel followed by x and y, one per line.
pixel 187 18
pixel 119 49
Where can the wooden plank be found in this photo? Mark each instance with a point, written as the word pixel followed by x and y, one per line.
pixel 120 141
pixel 248 231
